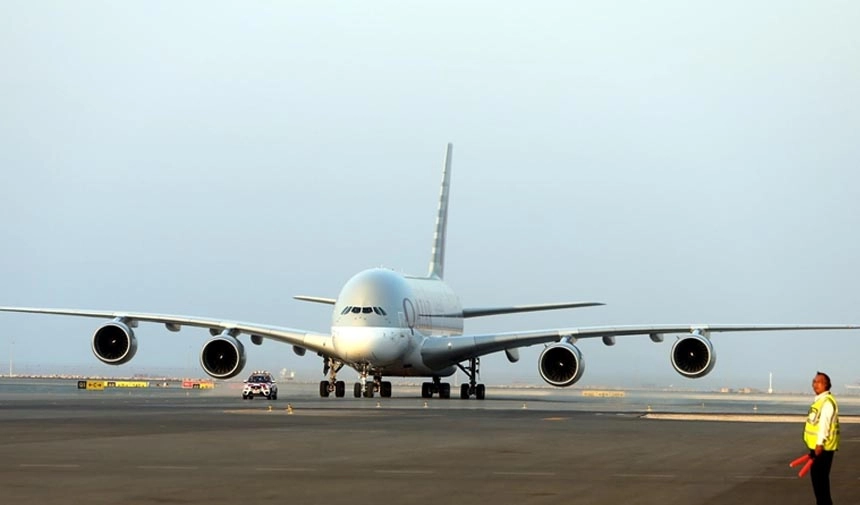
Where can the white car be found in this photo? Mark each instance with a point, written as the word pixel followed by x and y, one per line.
pixel 260 383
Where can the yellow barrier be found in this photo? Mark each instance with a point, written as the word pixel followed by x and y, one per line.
pixel 92 385
pixel 603 394
pixel 127 384
pixel 197 384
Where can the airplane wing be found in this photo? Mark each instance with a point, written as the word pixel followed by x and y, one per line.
pixel 312 341
pixel 492 311
pixel 316 299
pixel 442 351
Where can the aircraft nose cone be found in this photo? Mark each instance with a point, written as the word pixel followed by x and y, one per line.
pixel 365 345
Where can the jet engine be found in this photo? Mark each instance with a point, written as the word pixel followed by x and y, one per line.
pixel 114 343
pixel 223 356
pixel 693 356
pixel 561 364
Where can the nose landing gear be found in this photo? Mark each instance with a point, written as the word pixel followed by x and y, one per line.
pixel 367 388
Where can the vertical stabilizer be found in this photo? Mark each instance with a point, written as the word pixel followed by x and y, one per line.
pixel 437 259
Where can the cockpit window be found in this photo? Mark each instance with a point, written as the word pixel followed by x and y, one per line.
pixel 363 310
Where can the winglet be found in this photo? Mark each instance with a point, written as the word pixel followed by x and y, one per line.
pixel 437 258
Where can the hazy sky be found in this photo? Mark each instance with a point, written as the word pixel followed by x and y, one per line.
pixel 684 162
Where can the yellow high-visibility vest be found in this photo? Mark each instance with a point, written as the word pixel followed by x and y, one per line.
pixel 810 431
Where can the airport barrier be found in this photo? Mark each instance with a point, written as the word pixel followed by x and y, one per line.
pixel 603 394
pixel 197 384
pixel 91 385
pixel 127 384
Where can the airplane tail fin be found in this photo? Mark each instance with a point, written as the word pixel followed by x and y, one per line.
pixel 437 258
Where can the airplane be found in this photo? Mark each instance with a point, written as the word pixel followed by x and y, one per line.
pixel 386 324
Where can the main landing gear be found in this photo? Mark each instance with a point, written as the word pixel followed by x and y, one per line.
pixel 332 385
pixel 443 389
pixel 472 388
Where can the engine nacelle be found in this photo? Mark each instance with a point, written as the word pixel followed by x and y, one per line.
pixel 223 357
pixel 114 343
pixel 693 356
pixel 561 364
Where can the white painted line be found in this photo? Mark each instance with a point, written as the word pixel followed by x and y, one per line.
pixel 48 465
pixel 167 467
pixel 766 477
pixel 645 475
pixel 527 474
pixel 280 469
pixel 407 472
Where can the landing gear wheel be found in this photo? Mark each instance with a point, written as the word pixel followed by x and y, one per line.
pixel 444 390
pixel 480 391
pixel 385 389
pixel 339 389
pixel 368 391
pixel 464 391
pixel 426 390
pixel 357 390
pixel 324 389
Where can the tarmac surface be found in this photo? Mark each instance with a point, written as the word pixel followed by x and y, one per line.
pixel 516 447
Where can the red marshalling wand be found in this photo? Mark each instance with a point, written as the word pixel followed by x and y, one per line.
pixel 803 471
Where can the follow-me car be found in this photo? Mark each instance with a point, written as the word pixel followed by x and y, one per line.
pixel 388 324
pixel 260 383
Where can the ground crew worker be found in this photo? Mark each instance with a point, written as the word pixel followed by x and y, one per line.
pixel 821 435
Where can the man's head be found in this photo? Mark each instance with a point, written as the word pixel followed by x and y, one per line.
pixel 821 383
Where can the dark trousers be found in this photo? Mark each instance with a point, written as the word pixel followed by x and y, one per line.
pixel 820 474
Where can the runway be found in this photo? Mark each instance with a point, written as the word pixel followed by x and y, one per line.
pixel 156 447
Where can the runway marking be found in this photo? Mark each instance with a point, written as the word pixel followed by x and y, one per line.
pixel 48 465
pixel 527 474
pixel 764 477
pixel 167 467
pixel 555 418
pixel 276 469
pixel 406 472
pixel 645 475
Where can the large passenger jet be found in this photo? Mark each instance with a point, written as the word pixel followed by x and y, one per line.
pixel 385 324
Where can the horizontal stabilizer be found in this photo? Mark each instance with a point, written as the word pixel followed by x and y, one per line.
pixel 492 311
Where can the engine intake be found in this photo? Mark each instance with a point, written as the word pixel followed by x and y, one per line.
pixel 561 364
pixel 693 356
pixel 114 343
pixel 223 357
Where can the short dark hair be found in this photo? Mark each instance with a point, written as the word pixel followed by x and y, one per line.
pixel 826 377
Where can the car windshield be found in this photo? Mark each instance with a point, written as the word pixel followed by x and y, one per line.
pixel 259 378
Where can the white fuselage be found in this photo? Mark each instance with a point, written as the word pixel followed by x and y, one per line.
pixel 381 319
